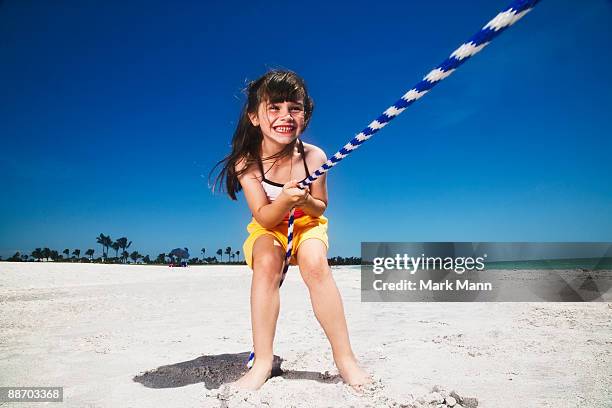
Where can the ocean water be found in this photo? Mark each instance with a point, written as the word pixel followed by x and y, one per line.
pixel 548 264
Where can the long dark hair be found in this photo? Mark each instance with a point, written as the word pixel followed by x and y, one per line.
pixel 275 86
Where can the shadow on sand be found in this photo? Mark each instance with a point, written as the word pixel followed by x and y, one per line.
pixel 218 369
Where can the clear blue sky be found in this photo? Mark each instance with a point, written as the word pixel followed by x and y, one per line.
pixel 112 113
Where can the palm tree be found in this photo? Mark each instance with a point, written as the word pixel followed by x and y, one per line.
pixel 125 255
pixel 228 251
pixel 123 244
pixel 220 253
pixel 15 258
pixel 135 256
pixel 46 253
pixel 37 253
pixel 90 253
pixel 203 250
pixel 67 252
pixel 161 258
pixel 115 246
pixel 107 243
pixel 101 240
pixel 76 253
pixel 24 257
pixel 233 256
pixel 238 254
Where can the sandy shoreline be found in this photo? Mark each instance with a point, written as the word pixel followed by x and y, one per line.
pixel 93 328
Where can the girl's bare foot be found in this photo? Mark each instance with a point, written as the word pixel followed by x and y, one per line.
pixel 255 377
pixel 351 373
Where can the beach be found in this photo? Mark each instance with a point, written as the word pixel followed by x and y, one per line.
pixel 145 336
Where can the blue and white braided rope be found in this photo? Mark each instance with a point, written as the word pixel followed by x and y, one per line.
pixel 510 15
pixel 477 42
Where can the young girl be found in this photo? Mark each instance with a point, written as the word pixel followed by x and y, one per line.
pixel 266 162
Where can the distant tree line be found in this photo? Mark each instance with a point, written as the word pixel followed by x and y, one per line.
pixel 176 256
pixel 339 260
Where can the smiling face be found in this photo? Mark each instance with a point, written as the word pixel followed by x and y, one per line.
pixel 281 122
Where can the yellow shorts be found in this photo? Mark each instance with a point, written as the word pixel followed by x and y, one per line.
pixel 304 228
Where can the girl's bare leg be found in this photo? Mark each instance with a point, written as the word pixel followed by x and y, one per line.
pixel 265 304
pixel 328 309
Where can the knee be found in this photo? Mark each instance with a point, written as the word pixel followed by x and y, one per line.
pixel 267 266
pixel 314 269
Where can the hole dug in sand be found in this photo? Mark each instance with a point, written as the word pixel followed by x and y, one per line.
pixel 216 370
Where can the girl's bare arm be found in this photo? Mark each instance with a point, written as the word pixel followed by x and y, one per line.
pixel 316 202
pixel 268 215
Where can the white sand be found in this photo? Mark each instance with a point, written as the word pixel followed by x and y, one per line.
pixel 93 328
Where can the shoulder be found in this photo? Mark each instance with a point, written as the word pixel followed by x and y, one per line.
pixel 244 167
pixel 314 154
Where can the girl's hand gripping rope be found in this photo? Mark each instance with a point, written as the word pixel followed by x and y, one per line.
pixel 295 195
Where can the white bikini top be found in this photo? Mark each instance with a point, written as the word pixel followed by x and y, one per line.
pixel 273 189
